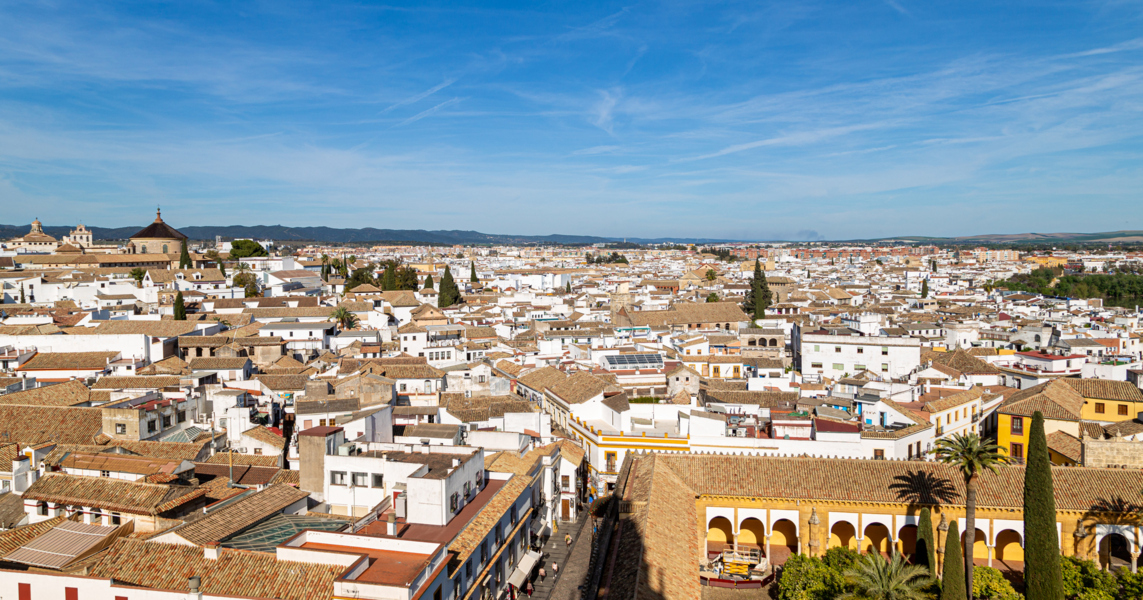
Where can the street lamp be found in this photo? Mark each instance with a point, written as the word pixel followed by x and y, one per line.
pixel 352 505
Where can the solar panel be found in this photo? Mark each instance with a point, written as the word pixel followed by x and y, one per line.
pixel 634 361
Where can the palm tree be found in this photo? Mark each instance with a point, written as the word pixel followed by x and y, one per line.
pixel 973 456
pixel 875 577
pixel 138 274
pixel 344 318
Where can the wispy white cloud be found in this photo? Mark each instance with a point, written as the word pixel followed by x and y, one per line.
pixel 421 96
pixel 429 111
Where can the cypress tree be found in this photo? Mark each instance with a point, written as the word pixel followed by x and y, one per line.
pixel 926 544
pixel 180 308
pixel 1043 578
pixel 448 294
pixel 222 269
pixel 472 275
pixel 953 585
pixel 567 289
pixel 184 257
pixel 23 300
pixel 389 279
pixel 428 282
pixel 925 288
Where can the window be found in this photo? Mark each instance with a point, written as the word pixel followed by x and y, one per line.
pixel 152 426
pixel 838 367
pixel 71 593
pixel 816 348
pixel 716 371
pixel 1122 410
pixel 1099 408
pixel 116 519
pixel 858 367
pixel 884 350
pixel 816 365
pixel 42 509
pixel 257 451
pixel 878 454
pixel 610 457
pixel 337 477
pixel 884 367
pixel 837 349
pixel 860 350
pixel 379 481
pixel 182 416
pixel 166 420
pixel 105 473
pixel 360 479
pixel 1018 452
pixel 565 482
pixel 1017 425
pixel 402 387
pixel 120 429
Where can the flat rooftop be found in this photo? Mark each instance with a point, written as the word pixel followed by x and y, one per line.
pixel 386 567
pixel 437 533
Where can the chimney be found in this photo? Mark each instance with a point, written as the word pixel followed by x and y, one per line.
pixel 391 524
pixel 211 550
pixel 192 587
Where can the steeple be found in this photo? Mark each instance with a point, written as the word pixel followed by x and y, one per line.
pixel 158 215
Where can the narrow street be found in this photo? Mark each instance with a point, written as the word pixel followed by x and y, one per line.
pixel 572 560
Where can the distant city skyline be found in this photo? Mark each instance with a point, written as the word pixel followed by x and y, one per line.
pixel 793 121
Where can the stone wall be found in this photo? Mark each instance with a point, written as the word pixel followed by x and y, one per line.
pixel 1112 453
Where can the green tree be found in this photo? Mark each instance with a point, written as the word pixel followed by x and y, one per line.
pixel 875 577
pixel 406 278
pixel 808 578
pixel 180 308
pixel 472 274
pixel 990 584
pixel 1130 584
pixel 246 280
pixel 246 248
pixel 449 294
pixel 933 265
pixel 325 267
pixel 344 318
pixel 360 276
pixel 567 288
pixel 711 275
pixel 428 282
pixel 23 299
pixel 184 257
pixel 1078 575
pixel 841 558
pixel 1042 576
pixel 972 456
pixel 926 544
pixel 759 297
pixel 138 274
pixel 713 297
pixel 924 288
pixel 222 268
pixel 953 576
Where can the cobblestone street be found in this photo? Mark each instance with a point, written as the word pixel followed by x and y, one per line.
pixel 572 560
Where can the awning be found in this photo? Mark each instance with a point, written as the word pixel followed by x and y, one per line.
pixel 540 528
pixel 524 569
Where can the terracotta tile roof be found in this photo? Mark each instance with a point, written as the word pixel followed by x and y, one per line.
pixel 287 476
pixel 113 494
pixel 160 329
pixel 258 460
pixel 510 368
pixel 232 519
pixel 1056 399
pixel 955 400
pixel 136 382
pixel 203 341
pixel 233 573
pixel 580 387
pixel 172 365
pixel 160 450
pixel 68 393
pixel 262 434
pixel 217 363
pixel 291 382
pixel 483 408
pixel 35 424
pixel 542 378
pixel 1103 389
pixel 478 528
pixel 68 360
pixel 1066 444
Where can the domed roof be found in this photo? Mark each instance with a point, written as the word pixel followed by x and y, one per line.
pixel 159 230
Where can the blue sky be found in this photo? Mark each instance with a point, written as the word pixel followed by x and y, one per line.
pixel 749 120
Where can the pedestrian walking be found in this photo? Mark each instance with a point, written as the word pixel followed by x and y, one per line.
pixel 528 589
pixel 543 574
pixel 567 539
pixel 555 569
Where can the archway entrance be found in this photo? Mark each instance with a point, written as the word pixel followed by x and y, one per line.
pixel 752 533
pixel 908 538
pixel 876 539
pixel 843 535
pixel 1009 553
pixel 1114 551
pixel 979 545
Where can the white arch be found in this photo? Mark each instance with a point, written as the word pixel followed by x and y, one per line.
pixel 712 512
pixel 837 517
pixel 751 513
pixel 789 515
pixel 1127 531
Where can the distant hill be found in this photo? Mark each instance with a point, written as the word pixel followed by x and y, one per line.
pixel 334 235
pixel 1024 238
